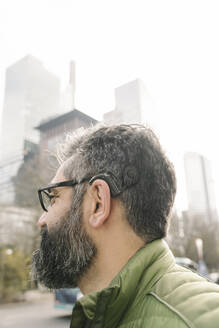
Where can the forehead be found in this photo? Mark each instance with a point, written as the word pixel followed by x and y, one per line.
pixel 59 176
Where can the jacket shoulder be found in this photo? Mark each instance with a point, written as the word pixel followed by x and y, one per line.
pixel 193 298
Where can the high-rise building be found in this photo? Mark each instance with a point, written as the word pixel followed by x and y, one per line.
pixel 31 94
pixel 129 103
pixel 68 94
pixel 200 186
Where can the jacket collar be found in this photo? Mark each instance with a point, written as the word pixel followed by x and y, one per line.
pixel 139 275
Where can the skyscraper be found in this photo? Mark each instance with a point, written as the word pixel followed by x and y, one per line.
pixel 68 94
pixel 200 186
pixel 31 94
pixel 129 103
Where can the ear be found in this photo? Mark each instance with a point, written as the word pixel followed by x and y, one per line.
pixel 101 203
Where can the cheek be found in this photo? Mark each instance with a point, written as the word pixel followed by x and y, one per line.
pixel 58 213
pixel 59 210
pixel 52 222
pixel 53 218
pixel 63 203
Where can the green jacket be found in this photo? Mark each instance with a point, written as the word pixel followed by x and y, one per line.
pixel 151 291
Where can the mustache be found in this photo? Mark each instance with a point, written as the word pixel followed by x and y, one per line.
pixel 43 234
pixel 43 230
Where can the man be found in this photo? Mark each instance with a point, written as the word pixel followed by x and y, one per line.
pixel 105 216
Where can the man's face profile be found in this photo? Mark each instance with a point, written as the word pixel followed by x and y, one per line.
pixel 66 251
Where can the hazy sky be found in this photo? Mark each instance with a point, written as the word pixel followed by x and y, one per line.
pixel 173 46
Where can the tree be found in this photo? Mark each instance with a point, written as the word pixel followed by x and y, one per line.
pixel 14 274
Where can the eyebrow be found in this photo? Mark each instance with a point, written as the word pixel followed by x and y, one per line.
pixel 53 190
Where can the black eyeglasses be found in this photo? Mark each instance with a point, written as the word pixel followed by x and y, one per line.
pixel 46 199
pixel 44 193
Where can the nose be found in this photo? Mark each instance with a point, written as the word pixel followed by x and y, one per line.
pixel 42 220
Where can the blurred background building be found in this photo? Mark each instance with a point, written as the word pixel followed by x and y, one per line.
pixel 129 103
pixel 53 131
pixel 32 93
pixel 200 186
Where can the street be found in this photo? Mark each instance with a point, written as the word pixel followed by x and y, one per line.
pixel 37 313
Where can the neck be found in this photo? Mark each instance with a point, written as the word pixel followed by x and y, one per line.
pixel 111 257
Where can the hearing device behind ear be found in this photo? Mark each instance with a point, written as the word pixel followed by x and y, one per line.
pixel 110 179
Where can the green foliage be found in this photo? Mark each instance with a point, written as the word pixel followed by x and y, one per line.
pixel 14 274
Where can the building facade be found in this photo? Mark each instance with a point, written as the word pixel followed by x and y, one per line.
pixel 53 131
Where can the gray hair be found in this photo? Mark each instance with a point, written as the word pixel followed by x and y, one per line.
pixel 133 154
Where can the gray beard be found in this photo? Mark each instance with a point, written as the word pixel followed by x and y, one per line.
pixel 66 253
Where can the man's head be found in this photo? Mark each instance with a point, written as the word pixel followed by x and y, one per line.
pixel 122 167
pixel 132 153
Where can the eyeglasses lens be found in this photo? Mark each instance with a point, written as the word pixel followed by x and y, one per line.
pixel 45 199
